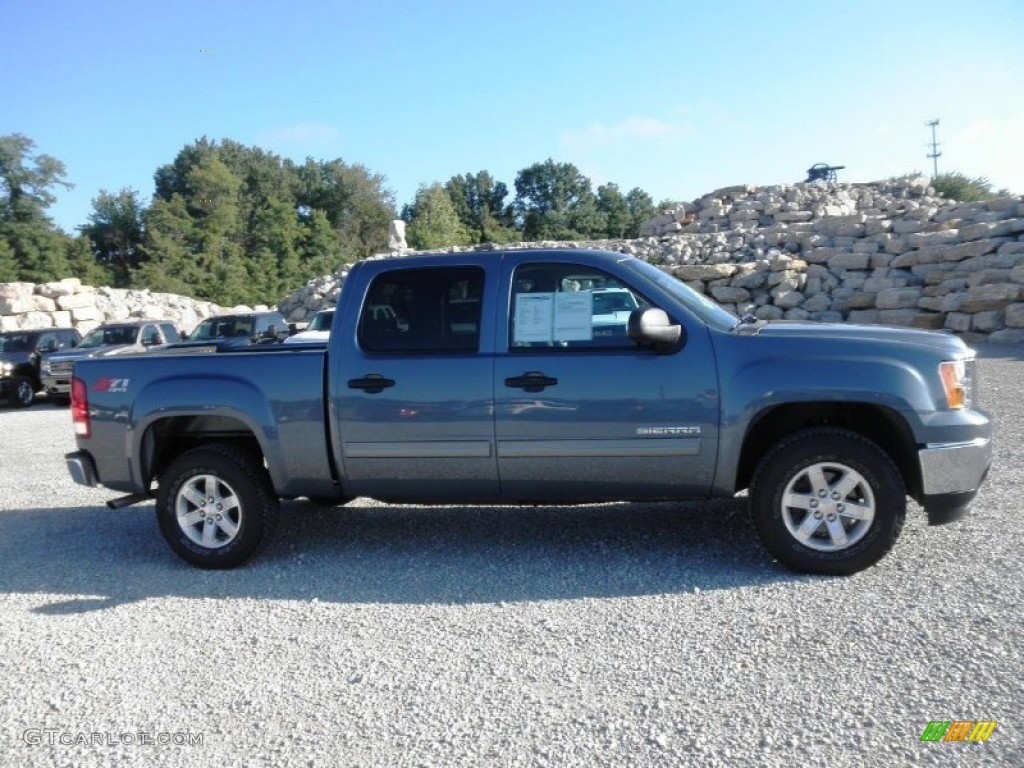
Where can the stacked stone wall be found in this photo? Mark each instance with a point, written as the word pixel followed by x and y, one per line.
pixel 889 253
pixel 69 304
pixel 892 253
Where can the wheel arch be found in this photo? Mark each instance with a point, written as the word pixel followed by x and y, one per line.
pixel 165 439
pixel 882 425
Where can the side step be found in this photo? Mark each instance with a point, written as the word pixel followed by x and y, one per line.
pixel 127 501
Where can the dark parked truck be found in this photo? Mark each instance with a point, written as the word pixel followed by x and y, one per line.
pixel 501 377
pixel 235 331
pixel 23 355
pixel 120 338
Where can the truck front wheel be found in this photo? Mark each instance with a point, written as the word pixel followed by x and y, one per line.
pixel 215 506
pixel 24 392
pixel 827 500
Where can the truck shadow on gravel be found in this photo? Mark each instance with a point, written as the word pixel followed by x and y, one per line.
pixel 396 554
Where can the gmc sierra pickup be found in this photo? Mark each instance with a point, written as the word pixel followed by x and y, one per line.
pixel 502 377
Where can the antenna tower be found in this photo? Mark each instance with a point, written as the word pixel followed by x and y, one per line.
pixel 934 155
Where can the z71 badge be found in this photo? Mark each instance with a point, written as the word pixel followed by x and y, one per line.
pixel 111 385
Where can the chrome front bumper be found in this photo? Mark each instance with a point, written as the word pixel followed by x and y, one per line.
pixel 954 467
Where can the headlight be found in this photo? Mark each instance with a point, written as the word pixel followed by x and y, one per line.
pixel 956 381
pixel 6 368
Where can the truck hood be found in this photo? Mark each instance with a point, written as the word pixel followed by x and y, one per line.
pixel 14 357
pixel 220 343
pixel 308 337
pixel 935 341
pixel 82 354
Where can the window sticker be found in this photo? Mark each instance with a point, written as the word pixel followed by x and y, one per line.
pixel 534 317
pixel 574 316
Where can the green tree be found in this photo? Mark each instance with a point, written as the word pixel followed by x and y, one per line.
pixel 958 186
pixel 641 208
pixel 319 250
pixel 274 243
pixel 169 262
pixel 239 224
pixel 617 217
pixel 115 232
pixel 479 203
pixel 355 201
pixel 82 263
pixel 8 264
pixel 433 222
pixel 554 201
pixel 26 191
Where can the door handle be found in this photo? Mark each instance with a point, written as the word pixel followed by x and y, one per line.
pixel 531 381
pixel 371 383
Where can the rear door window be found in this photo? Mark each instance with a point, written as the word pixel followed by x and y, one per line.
pixel 423 310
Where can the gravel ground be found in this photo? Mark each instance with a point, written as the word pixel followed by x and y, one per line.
pixel 611 635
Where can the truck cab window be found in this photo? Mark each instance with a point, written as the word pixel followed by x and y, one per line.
pixel 423 310
pixel 567 305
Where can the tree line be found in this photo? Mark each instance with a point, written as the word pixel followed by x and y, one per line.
pixel 240 225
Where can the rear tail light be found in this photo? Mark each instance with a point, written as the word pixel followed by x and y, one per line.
pixel 80 408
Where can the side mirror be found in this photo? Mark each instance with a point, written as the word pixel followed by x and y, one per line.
pixel 152 340
pixel 652 326
pixel 183 335
pixel 272 333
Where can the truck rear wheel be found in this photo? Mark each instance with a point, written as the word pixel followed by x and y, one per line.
pixel 827 500
pixel 215 506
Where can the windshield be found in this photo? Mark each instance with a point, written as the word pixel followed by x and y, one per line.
pixel 707 309
pixel 13 342
pixel 222 328
pixel 606 303
pixel 110 336
pixel 322 322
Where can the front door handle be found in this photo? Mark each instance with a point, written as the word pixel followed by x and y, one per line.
pixel 371 383
pixel 531 381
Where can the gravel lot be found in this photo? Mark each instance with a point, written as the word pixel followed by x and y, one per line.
pixel 604 635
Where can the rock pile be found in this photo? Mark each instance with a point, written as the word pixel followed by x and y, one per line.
pixel 68 303
pixel 890 252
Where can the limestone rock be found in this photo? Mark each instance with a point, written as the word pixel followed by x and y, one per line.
pixel 985 297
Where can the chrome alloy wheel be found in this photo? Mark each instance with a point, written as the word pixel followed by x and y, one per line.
pixel 828 507
pixel 208 511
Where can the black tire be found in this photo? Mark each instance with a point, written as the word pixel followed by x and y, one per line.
pixel 231 477
pixel 23 392
pixel 817 544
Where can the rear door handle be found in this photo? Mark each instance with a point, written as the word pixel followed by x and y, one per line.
pixel 371 383
pixel 531 381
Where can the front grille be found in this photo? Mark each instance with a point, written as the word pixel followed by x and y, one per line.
pixel 62 368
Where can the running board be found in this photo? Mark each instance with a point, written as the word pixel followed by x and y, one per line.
pixel 127 501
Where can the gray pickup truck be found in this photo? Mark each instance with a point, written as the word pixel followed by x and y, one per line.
pixel 500 377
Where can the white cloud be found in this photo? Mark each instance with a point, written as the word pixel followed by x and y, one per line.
pixel 313 134
pixel 989 147
pixel 598 136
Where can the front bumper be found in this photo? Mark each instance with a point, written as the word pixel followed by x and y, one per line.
pixel 57 385
pixel 951 474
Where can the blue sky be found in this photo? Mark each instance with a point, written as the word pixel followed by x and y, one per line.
pixel 678 98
